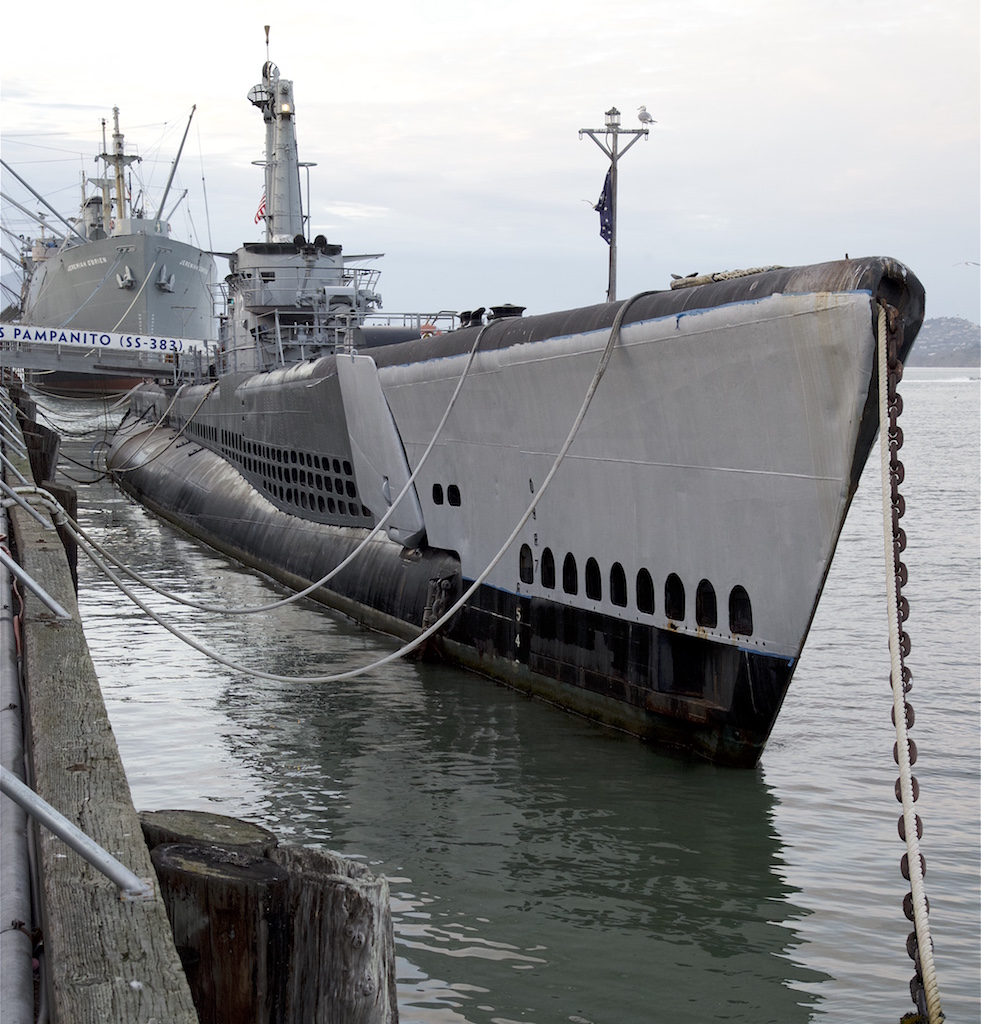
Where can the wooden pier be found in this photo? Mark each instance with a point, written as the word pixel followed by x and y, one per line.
pixel 106 961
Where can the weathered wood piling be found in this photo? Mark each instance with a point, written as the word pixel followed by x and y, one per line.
pixel 228 913
pixel 342 947
pixel 284 935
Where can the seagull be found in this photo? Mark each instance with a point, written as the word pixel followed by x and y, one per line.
pixel 644 117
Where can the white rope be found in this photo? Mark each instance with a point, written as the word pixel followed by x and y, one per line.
pixel 173 440
pixel 920 918
pixel 439 623
pixel 137 295
pixel 254 610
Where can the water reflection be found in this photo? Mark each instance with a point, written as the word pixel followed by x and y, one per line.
pixel 541 869
pixel 557 870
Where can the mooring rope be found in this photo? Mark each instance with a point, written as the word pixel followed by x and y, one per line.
pixel 176 436
pixel 35 390
pixel 153 266
pixel 100 433
pixel 436 626
pixel 920 944
pixel 306 591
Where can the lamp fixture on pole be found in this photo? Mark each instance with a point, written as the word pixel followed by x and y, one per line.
pixel 608 140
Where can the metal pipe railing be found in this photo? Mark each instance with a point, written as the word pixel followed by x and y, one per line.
pixel 33 585
pixel 131 887
pixel 16 916
pixel 13 439
pixel 19 499
pixel 13 469
pixel 7 414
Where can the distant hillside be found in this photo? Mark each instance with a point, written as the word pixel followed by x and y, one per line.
pixel 947 341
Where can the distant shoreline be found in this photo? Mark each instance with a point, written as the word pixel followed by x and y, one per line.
pixel 947 342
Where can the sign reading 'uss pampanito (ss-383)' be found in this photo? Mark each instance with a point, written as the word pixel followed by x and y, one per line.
pixel 108 340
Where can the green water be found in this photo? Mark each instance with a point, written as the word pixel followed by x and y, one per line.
pixel 543 869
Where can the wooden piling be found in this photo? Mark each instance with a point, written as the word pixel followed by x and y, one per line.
pixel 204 828
pixel 229 913
pixel 43 444
pixel 312 941
pixel 342 953
pixel 67 497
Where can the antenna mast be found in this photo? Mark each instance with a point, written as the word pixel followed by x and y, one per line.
pixel 609 144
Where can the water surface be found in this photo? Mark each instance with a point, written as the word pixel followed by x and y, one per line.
pixel 544 869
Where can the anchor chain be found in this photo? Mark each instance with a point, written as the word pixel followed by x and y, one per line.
pixel 919 945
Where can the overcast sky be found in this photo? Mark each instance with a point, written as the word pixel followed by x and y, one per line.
pixel 446 134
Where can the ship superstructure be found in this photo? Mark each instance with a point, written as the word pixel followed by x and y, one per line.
pixel 118 268
pixel 289 299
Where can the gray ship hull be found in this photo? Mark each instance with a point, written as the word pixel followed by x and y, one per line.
pixel 137 283
pixel 666 581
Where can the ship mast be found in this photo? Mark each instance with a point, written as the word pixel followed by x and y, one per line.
pixel 607 138
pixel 173 171
pixel 284 209
pixel 119 161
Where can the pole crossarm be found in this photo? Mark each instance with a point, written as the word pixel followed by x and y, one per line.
pixel 594 132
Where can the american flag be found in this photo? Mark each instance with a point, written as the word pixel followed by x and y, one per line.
pixel 261 212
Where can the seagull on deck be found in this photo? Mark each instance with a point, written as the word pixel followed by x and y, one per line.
pixel 644 117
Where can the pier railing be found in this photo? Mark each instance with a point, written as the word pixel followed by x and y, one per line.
pixel 131 887
pixel 104 960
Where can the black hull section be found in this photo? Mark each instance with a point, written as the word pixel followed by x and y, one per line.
pixel 386 587
pixel 673 690
pixel 85 385
pixel 670 689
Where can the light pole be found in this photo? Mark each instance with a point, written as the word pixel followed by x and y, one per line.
pixel 607 205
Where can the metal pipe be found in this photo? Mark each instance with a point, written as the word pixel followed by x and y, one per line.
pixel 56 236
pixel 131 886
pixel 173 209
pixel 10 256
pixel 7 407
pixel 173 171
pixel 33 585
pixel 16 946
pixel 13 432
pixel 13 439
pixel 20 500
pixel 10 421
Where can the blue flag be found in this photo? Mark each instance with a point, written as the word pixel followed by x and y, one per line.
pixel 605 209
